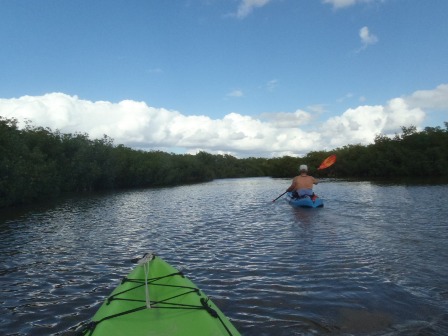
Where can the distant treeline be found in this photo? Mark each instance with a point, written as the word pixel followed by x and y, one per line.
pixel 38 163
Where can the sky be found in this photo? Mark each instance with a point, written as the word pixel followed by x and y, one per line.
pixel 249 78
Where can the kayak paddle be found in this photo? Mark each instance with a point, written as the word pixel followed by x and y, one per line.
pixel 327 162
pixel 279 196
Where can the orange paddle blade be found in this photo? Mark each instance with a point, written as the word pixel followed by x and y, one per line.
pixel 327 162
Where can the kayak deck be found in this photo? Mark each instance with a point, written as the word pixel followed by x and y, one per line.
pixel 305 202
pixel 157 299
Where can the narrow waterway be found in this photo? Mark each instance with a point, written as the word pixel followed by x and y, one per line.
pixel 373 261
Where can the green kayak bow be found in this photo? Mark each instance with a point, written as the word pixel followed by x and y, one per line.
pixel 157 299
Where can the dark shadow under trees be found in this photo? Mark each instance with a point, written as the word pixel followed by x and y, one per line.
pixel 37 163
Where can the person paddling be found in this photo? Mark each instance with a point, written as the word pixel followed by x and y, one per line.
pixel 302 185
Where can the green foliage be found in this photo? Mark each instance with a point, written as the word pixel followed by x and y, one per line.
pixel 410 154
pixel 285 166
pixel 38 163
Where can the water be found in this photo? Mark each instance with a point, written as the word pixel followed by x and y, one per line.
pixel 373 261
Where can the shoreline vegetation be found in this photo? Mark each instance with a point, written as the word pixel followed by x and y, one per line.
pixel 38 163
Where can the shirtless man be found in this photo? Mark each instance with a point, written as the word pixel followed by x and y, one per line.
pixel 303 184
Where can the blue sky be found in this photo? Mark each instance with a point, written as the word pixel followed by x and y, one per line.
pixel 245 77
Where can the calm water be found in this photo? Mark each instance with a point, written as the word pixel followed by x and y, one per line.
pixel 373 261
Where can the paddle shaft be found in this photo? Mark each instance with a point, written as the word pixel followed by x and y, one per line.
pixel 279 196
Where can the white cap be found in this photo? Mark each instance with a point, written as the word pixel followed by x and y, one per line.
pixel 303 167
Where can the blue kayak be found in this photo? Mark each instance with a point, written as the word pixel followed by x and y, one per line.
pixel 304 202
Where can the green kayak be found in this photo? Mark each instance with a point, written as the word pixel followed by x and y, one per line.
pixel 156 299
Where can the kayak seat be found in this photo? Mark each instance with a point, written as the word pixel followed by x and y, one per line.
pixel 296 195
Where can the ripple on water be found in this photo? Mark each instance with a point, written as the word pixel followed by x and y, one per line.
pixel 362 265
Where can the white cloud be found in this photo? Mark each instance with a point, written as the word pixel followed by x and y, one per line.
pixel 345 3
pixel 362 124
pixel 340 3
pixel 367 38
pixel 359 125
pixel 344 98
pixel 317 108
pixel 430 99
pixel 235 93
pixel 137 125
pixel 287 119
pixel 272 85
pixel 247 6
pixel 399 113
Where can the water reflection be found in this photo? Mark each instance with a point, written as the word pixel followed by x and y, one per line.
pixel 304 217
pixel 371 262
